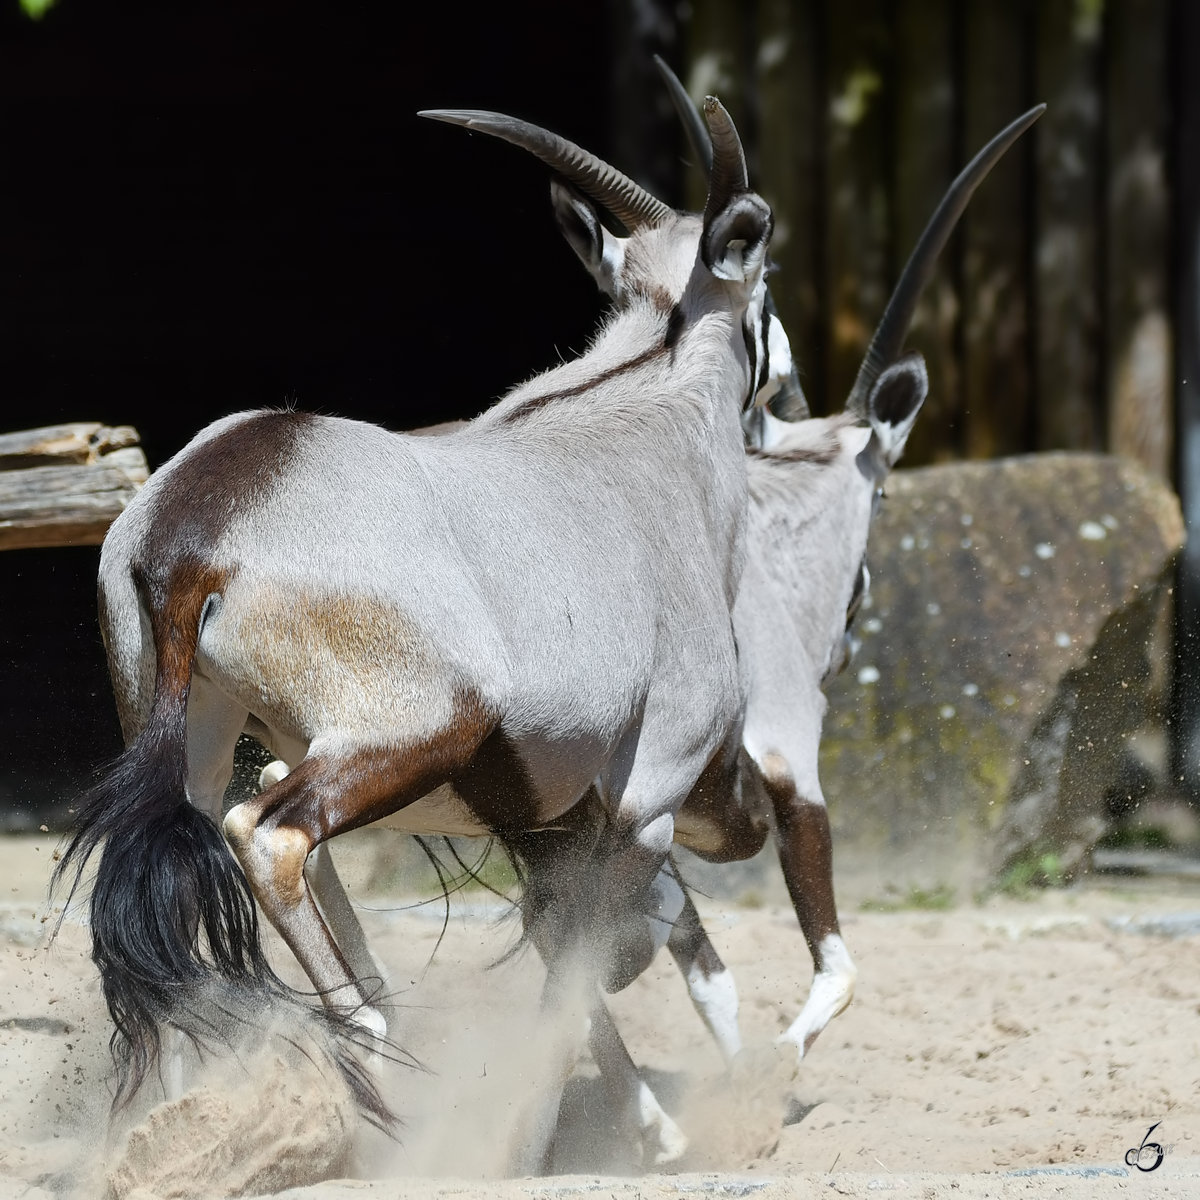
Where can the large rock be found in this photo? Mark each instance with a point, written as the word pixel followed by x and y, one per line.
pixel 1012 646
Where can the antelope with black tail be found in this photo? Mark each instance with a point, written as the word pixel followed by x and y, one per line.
pixel 461 634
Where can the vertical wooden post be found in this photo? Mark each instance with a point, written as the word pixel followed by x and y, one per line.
pixel 997 389
pixel 719 37
pixel 1185 701
pixel 790 74
pixel 926 155
pixel 1068 272
pixel 1138 361
pixel 858 49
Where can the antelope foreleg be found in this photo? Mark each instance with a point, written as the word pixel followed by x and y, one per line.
pixel 806 856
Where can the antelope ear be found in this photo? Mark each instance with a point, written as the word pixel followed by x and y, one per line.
pixel 734 242
pixel 600 251
pixel 894 403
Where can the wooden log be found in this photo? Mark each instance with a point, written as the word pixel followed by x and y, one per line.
pixel 65 484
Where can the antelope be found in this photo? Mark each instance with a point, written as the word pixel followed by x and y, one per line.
pixel 461 634
pixel 814 486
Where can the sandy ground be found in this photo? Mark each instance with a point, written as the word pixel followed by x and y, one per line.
pixel 1005 1048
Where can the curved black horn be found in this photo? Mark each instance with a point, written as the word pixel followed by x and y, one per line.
pixel 728 176
pixel 630 203
pixel 889 336
pixel 689 116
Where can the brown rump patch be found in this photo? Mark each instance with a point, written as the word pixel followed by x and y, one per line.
pixel 304 658
pixel 175 608
pixel 218 477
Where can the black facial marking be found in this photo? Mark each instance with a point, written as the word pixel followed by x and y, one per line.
pixel 856 597
pixel 675 324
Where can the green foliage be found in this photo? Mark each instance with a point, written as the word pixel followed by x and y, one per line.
pixel 35 10
pixel 1038 869
pixel 1138 837
pixel 935 899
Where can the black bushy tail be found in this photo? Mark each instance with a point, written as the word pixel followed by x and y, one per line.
pixel 175 931
pixel 165 876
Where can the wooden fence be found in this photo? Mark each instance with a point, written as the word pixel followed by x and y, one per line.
pixel 1048 324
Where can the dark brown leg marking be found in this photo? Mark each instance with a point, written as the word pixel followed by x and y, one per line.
pixel 689 943
pixel 805 854
pixel 273 834
pixel 727 805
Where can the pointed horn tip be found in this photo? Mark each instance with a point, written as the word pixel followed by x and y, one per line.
pixel 451 116
pixel 1028 118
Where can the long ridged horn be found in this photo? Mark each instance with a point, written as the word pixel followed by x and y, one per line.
pixel 689 115
pixel 888 339
pixel 728 176
pixel 629 202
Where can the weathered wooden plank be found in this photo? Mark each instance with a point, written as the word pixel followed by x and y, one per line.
pixel 79 442
pixel 1137 229
pixel 997 236
pixel 63 485
pixel 1068 280
pixel 856 268
pixel 925 163
pixel 791 170
pixel 61 506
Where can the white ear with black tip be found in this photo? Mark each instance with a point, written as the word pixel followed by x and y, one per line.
pixel 601 252
pixel 894 402
pixel 735 239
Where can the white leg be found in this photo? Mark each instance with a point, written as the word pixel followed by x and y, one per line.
pixel 831 992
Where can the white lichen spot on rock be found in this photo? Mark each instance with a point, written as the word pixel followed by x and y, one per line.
pixel 967 519
pixel 1092 531
pixel 947 711
pixel 1025 571
pixel 874 625
pixel 933 608
pixel 1109 521
pixel 1044 550
pixel 1009 700
pixel 868 675
pixel 907 542
pixel 1062 639
pixel 966 543
pixel 970 689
